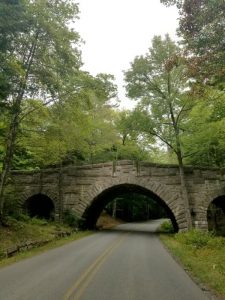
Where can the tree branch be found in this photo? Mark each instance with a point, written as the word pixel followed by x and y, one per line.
pixel 181 111
pixel 155 86
pixel 34 109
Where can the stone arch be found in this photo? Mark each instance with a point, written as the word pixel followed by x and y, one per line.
pixel 202 208
pixel 215 211
pixel 41 206
pixel 171 198
pixel 213 194
pixel 31 194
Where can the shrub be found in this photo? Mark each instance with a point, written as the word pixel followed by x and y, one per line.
pixel 195 238
pixel 216 243
pixel 71 219
pixel 14 223
pixel 166 227
pixel 11 207
pixel 37 221
pixel 22 217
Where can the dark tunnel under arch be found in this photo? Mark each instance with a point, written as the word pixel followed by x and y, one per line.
pixel 39 205
pixel 216 215
pixel 97 205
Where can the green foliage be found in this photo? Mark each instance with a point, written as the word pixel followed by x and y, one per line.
pixel 19 232
pixel 205 134
pixel 38 54
pixel 71 219
pixel 15 224
pixel 216 242
pixel 11 201
pixel 163 156
pixel 79 127
pixel 194 238
pixel 37 60
pixel 50 108
pixel 186 120
pixel 135 207
pixel 166 227
pixel 38 221
pixel 130 143
pixel 21 217
pixel 12 22
pixel 202 29
pixel 159 81
pixel 16 218
pixel 205 262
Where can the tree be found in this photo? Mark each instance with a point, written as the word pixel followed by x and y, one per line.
pixel 132 207
pixel 130 144
pixel 12 22
pixel 100 130
pixel 159 81
pixel 77 127
pixel 202 29
pixel 39 58
pixel 205 136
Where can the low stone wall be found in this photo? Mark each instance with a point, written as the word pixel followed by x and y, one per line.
pixel 14 250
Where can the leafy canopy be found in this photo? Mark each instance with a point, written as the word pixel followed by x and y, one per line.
pixel 202 25
pixel 159 81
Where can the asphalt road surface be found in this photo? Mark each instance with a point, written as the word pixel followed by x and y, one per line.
pixel 128 263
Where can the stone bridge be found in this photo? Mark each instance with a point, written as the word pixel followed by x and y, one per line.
pixel 87 189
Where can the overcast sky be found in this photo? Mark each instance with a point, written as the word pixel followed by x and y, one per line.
pixel 115 31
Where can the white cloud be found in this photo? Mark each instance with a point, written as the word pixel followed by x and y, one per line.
pixel 115 31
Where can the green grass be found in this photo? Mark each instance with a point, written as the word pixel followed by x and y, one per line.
pixel 19 232
pixel 202 254
pixel 34 230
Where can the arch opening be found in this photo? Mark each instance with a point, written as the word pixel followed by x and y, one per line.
pixel 216 215
pixel 128 192
pixel 40 206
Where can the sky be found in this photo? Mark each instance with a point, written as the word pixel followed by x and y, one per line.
pixel 115 31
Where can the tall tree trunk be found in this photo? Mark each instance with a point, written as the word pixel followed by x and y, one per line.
pixel 10 145
pixel 184 191
pixel 114 208
pixel 178 151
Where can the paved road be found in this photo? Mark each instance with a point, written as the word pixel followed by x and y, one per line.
pixel 128 263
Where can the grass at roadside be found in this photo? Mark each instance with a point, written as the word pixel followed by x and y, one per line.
pixel 34 230
pixel 202 254
pixel 18 232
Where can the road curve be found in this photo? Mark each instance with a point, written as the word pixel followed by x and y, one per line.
pixel 128 263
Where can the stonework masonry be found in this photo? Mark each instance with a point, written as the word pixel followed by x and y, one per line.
pixel 77 187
